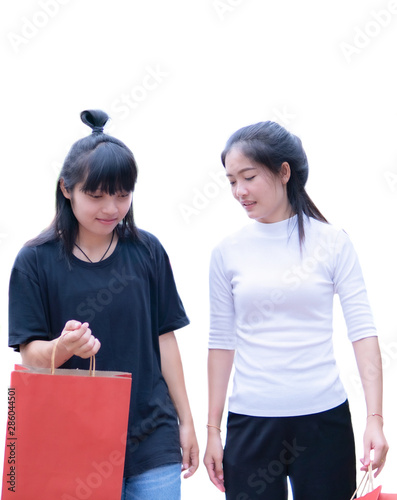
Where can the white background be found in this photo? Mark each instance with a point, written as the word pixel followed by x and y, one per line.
pixel 325 70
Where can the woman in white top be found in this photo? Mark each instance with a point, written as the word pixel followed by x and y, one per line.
pixel 272 286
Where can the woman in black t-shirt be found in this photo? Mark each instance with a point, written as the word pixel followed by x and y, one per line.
pixel 102 287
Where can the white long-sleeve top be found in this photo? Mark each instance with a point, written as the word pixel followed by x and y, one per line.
pixel 272 303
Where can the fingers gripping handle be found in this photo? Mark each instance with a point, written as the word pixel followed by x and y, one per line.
pixel 92 360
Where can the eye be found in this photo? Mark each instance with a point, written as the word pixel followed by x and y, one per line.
pixel 94 195
pixel 232 183
pixel 250 178
pixel 123 195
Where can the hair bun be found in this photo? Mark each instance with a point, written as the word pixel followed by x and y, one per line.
pixel 95 119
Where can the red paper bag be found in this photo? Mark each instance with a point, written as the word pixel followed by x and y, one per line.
pixel 66 434
pixel 378 495
pixel 375 494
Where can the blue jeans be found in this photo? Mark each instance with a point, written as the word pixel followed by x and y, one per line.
pixel 161 483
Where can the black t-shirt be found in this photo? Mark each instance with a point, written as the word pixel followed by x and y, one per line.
pixel 129 299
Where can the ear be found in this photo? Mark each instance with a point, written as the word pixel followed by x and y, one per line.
pixel 285 172
pixel 65 192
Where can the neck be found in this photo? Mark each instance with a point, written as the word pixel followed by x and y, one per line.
pixel 95 249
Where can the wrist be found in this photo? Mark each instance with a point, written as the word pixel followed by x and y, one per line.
pixel 186 420
pixel 213 428
pixel 375 419
pixel 60 350
pixel 375 415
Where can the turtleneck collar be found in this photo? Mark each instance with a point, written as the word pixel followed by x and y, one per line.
pixel 282 229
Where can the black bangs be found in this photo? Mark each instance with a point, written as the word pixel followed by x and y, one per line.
pixel 109 168
pixel 98 162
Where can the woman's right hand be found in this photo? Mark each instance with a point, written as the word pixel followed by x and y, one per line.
pixel 77 339
pixel 213 458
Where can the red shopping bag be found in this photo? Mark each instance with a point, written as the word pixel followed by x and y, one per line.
pixel 373 494
pixel 378 495
pixel 66 434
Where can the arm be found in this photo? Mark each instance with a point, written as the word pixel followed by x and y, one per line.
pixel 220 362
pixel 171 367
pixel 369 364
pixel 75 340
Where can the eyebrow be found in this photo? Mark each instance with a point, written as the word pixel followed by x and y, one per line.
pixel 241 171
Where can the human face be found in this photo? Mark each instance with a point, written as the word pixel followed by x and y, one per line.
pixel 260 192
pixel 97 213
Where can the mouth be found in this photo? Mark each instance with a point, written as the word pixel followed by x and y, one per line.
pixel 107 221
pixel 248 204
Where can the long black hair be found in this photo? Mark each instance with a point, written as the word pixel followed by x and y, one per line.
pixel 270 145
pixel 100 162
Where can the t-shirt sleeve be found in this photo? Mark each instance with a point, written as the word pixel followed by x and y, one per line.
pixel 27 317
pixel 171 312
pixel 222 333
pixel 350 286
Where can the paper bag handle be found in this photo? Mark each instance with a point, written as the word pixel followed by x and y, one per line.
pixel 368 477
pixel 92 360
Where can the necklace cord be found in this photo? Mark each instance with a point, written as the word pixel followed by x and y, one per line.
pixel 103 256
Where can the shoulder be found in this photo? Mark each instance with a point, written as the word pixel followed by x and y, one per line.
pixel 30 255
pixel 229 250
pixel 234 239
pixel 151 243
pixel 147 245
pixel 32 260
pixel 148 238
pixel 324 229
pixel 331 238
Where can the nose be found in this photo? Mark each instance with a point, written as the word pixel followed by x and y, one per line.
pixel 109 206
pixel 240 190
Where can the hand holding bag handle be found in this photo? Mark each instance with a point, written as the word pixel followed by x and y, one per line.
pixel 368 484
pixel 92 360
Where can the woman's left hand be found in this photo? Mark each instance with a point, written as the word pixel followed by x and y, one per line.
pixel 190 449
pixel 374 439
pixel 369 362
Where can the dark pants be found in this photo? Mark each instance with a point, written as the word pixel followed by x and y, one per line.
pixel 316 452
